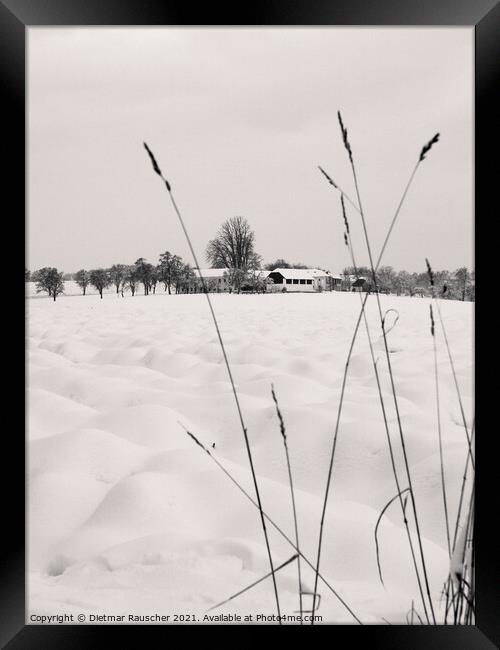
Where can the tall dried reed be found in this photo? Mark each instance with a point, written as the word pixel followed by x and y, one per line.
pixel 255 583
pixel 292 493
pixel 373 268
pixel 273 524
pixel 348 241
pixel 438 411
pixel 157 169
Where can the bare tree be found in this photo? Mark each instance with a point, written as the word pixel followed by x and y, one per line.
pixel 472 286
pixel 82 279
pixel 235 279
pixel 99 279
pixel 278 264
pixel 185 278
pixel 233 246
pixel 462 278
pixel 116 274
pixel 131 279
pixel 169 269
pixel 386 277
pixel 49 279
pixel 154 278
pixel 144 273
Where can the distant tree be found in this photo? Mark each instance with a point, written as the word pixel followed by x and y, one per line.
pixel 68 277
pixel 154 278
pixel 169 270
pixel 27 274
pixel 185 278
pixel 462 279
pixel 144 273
pixel 257 281
pixel 441 279
pixel 233 246
pixel 423 280
pixel 358 271
pixel 49 279
pixel 211 284
pixel 345 283
pixel 413 283
pixel 472 286
pixel 420 290
pixel 404 283
pixel 131 279
pixel 278 264
pixel 82 279
pixel 117 274
pixel 99 279
pixel 400 283
pixel 386 277
pixel 283 264
pixel 38 278
pixel 236 278
pixel 124 282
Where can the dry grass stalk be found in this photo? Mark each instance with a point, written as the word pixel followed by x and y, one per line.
pixel 440 438
pixel 455 380
pixel 462 492
pixel 379 519
pixel 292 494
pixel 389 364
pixel 254 584
pixel 373 270
pixel 273 523
pixel 228 368
pixel 384 416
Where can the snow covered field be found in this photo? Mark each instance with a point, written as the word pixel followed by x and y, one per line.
pixel 128 516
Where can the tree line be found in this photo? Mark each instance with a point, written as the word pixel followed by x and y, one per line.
pixel 171 272
pixel 453 285
pixel 233 248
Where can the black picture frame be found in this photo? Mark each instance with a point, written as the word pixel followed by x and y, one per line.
pixel 18 15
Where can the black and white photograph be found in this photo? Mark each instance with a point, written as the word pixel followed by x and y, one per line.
pixel 250 293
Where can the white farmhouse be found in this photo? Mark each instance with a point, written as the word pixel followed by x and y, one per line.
pixel 305 280
pixel 216 280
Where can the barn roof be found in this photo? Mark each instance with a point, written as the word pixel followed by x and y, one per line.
pixel 211 273
pixel 303 274
pixel 219 273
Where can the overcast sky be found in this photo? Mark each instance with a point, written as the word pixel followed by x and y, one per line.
pixel 239 119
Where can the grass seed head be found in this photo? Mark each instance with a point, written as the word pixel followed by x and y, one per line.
pixel 191 435
pixel 430 272
pixel 278 413
pixel 156 166
pixel 428 146
pixel 153 160
pixel 327 177
pixel 344 213
pixel 344 136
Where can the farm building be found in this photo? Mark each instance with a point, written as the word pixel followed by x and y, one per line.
pixel 227 280
pixel 305 279
pixel 358 284
pixel 216 280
